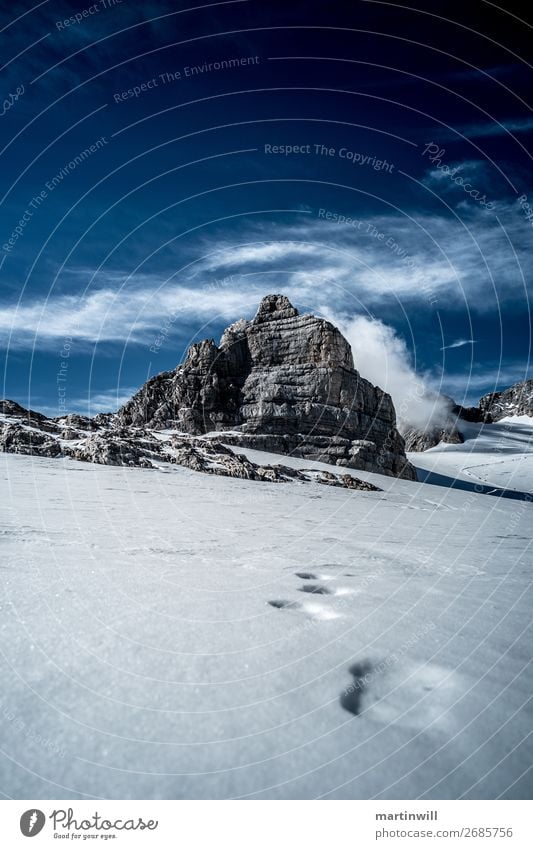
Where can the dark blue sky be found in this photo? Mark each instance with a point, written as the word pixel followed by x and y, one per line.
pixel 164 167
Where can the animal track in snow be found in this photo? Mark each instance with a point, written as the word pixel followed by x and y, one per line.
pixel 306 576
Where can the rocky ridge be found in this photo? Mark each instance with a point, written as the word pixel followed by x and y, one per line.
pixel 517 400
pixel 80 438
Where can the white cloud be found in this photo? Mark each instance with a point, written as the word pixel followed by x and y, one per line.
pixel 382 357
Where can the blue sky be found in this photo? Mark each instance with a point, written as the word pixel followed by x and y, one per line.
pixel 165 166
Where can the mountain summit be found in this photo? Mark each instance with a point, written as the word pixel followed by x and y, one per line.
pixel 282 382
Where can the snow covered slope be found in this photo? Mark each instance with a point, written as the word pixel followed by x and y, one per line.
pixel 170 634
pixel 495 455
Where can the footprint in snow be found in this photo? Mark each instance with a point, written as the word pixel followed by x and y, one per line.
pixel 281 603
pixel 313 610
pixel 306 576
pixel 320 589
pixel 421 697
pixel 351 698
pixel 317 589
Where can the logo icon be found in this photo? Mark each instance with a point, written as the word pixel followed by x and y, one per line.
pixel 32 822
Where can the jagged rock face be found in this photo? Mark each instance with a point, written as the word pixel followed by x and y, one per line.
pixel 283 377
pixel 515 401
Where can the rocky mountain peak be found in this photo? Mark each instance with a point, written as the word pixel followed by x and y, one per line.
pixel 202 352
pixel 273 308
pixel 282 382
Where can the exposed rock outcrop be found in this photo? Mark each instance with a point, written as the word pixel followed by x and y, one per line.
pixel 18 439
pixel 446 426
pixel 22 433
pixel 108 449
pixel 517 400
pixel 208 455
pixel 282 380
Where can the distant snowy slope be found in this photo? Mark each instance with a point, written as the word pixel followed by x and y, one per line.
pixel 169 634
pixel 499 455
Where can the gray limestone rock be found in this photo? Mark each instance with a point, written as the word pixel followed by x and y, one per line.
pixel 282 380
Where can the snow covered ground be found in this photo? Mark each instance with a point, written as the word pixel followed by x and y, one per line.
pixel 168 634
pixel 498 455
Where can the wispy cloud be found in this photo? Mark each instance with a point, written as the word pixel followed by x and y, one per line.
pixel 106 401
pixel 459 343
pixel 472 170
pixel 487 129
pixel 132 313
pixel 476 260
pixel 467 387
pixel 99 401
